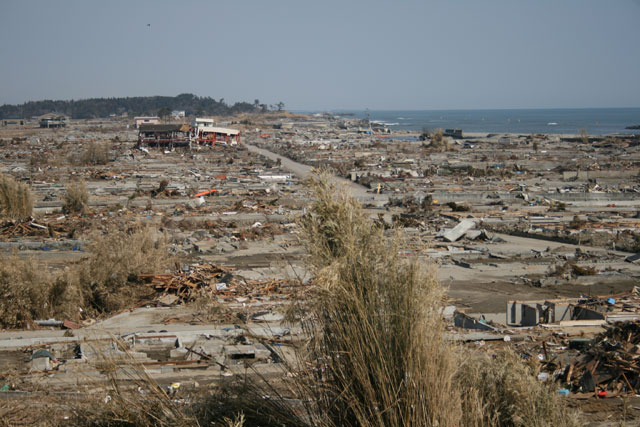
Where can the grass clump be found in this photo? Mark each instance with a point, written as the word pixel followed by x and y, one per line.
pixel 28 292
pixel 436 140
pixel 103 283
pixel 377 338
pixel 16 200
pixel 376 332
pixel 95 154
pixel 504 391
pixel 76 199
pixel 117 258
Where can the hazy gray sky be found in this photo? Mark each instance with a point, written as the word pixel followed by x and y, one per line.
pixel 328 54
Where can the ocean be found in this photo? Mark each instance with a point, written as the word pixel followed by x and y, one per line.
pixel 596 121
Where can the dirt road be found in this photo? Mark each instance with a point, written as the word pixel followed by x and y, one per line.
pixel 303 171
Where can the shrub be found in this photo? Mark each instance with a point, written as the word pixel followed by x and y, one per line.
pixel 16 201
pixel 376 330
pixel 96 154
pixel 102 283
pixel 437 138
pixel 76 198
pixel 504 391
pixel 117 258
pixel 29 292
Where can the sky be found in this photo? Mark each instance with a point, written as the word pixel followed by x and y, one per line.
pixel 329 54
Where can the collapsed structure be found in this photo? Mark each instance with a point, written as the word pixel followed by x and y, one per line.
pixel 201 132
pixel 52 120
pixel 172 134
pixel 574 311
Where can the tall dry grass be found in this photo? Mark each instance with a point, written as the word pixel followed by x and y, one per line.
pixel 76 198
pixel 96 153
pixel 116 259
pixel 104 282
pixel 376 333
pixel 16 200
pixel 29 292
pixel 504 391
pixel 377 338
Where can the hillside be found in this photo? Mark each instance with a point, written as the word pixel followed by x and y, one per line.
pixel 133 106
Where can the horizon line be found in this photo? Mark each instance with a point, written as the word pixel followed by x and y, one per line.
pixel 337 110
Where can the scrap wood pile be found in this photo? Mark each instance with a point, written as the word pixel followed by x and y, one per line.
pixel 610 364
pixel 218 281
pixel 244 206
pixel 259 230
pixel 23 228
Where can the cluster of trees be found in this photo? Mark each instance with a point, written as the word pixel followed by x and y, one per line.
pixel 135 106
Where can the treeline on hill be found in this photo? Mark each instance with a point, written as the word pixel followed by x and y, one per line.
pixel 134 106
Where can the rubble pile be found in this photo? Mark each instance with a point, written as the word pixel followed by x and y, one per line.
pixel 216 281
pixel 610 364
pixel 23 228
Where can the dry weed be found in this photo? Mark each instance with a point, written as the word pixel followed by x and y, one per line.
pixel 377 336
pixel 95 154
pixel 117 258
pixel 504 391
pixel 378 340
pixel 29 292
pixel 16 201
pixel 76 198
pixel 102 283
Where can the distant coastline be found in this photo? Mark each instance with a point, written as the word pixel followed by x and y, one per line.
pixel 596 121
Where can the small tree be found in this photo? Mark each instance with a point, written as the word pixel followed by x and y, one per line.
pixel 164 112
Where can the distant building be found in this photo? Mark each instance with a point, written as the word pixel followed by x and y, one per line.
pixel 201 122
pixel 178 114
pixel 204 132
pixel 146 120
pixel 168 135
pixel 14 122
pixel 52 120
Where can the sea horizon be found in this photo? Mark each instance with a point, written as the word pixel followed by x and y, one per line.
pixel 596 121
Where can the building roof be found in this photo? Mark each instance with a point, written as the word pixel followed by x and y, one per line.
pixel 165 127
pixel 53 116
pixel 214 129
